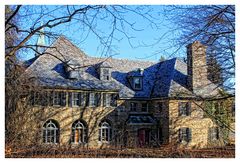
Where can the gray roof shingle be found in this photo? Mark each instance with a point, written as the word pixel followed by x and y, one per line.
pixel 160 79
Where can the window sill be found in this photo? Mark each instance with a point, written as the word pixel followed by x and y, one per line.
pixel 77 107
pixel 184 116
pixel 58 106
pixel 109 107
pixel 76 144
pixel 93 106
pixel 49 144
pixel 104 142
pixel 184 143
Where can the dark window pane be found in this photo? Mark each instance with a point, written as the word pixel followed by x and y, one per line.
pixel 144 107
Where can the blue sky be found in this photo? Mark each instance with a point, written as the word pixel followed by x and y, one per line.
pixel 154 42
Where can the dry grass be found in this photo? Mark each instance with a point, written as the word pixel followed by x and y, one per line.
pixel 227 152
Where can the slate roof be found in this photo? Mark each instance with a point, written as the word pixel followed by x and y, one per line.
pixel 160 79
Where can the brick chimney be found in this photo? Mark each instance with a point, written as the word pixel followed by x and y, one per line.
pixel 196 66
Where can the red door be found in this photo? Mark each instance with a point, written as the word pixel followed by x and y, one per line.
pixel 141 137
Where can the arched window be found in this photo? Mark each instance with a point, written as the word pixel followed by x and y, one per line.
pixel 51 132
pixel 105 132
pixel 79 132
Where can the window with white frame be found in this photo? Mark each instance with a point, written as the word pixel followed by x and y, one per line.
pixel 75 99
pixel 56 98
pixel 79 132
pixel 106 99
pixel 105 132
pixel 91 99
pixel 94 99
pixel 184 108
pixel 185 135
pixel 59 98
pixel 137 83
pixel 51 132
pixel 110 99
pixel 213 133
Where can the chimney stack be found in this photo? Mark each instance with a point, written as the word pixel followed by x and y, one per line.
pixel 196 66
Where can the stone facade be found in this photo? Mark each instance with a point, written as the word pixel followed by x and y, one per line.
pixel 166 128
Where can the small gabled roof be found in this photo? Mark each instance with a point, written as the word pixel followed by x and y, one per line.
pixel 103 64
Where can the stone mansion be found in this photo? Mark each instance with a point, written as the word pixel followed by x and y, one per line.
pixel 106 102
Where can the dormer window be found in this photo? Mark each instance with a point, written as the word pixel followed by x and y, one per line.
pixel 104 71
pixel 106 74
pixel 135 78
pixel 137 83
pixel 74 70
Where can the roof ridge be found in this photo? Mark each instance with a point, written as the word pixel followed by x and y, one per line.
pixel 126 59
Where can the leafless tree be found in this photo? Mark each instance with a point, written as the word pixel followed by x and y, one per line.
pixel 22 26
pixel 21 36
pixel 214 26
pixel 87 18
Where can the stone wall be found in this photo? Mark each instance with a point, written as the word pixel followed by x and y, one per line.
pixel 196 122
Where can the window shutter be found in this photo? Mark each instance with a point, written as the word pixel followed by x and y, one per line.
pixel 113 99
pixel 179 109
pixel 217 132
pixel 51 98
pixel 104 99
pixel 44 135
pixel 70 99
pixel 57 135
pixel 180 135
pixel 79 98
pixel 98 99
pixel 85 135
pixel 95 96
pixel 209 135
pixel 189 108
pixel 87 99
pixel 99 134
pixel 110 134
pixel 189 134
